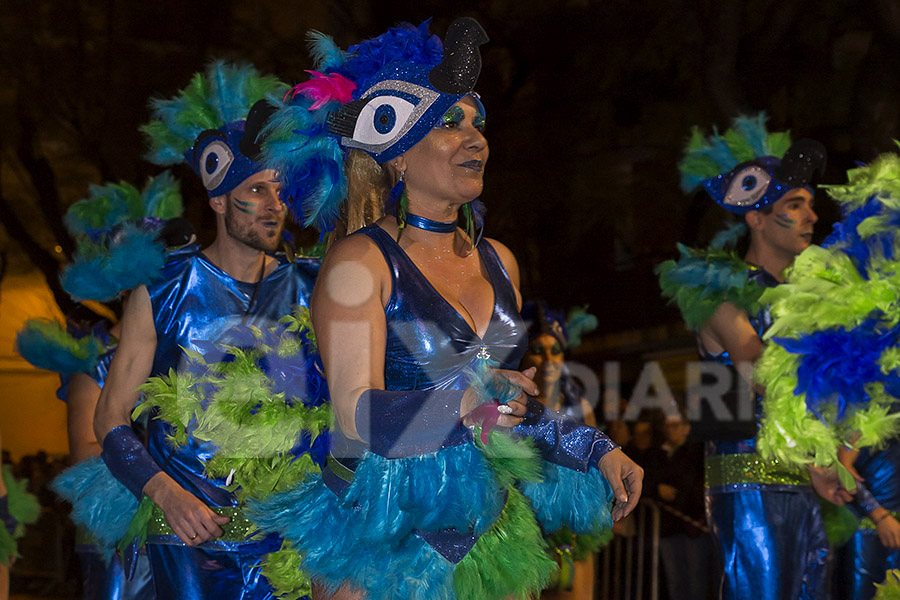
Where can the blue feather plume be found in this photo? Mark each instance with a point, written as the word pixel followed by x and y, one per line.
pixel 837 365
pixel 308 160
pixel 133 258
pixel 403 43
pixel 47 345
pixel 325 53
pixel 753 129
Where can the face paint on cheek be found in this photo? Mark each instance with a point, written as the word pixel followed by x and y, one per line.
pixel 785 221
pixel 244 206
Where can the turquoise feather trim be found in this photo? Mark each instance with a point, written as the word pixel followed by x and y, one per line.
pixel 101 272
pixel 100 503
pixel 47 345
pixel 509 559
pixel 372 544
pixel 578 501
pixel 701 280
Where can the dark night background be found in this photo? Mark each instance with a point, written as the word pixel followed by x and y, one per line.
pixel 589 103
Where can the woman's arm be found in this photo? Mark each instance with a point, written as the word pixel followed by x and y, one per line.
pixel 347 309
pixel 80 406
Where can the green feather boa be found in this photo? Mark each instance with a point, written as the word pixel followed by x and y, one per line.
pixel 890 589
pixel 234 405
pixel 825 290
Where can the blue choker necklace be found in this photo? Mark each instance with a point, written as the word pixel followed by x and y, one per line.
pixel 429 225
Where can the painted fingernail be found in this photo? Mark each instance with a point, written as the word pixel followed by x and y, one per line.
pixel 504 409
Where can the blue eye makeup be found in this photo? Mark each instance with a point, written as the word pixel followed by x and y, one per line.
pixel 454 116
pixel 478 122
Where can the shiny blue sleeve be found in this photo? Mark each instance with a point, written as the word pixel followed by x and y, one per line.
pixel 562 440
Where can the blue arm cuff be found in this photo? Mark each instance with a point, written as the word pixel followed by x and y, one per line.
pixel 397 424
pixel 128 459
pixel 864 502
pixel 9 521
pixel 562 440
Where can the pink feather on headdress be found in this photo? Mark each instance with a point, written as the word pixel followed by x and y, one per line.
pixel 324 88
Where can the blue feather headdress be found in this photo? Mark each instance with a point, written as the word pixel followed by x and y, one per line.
pixel 213 124
pixel 117 231
pixel 747 168
pixel 381 96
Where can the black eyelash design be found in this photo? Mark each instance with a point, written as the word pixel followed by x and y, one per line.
pixel 343 121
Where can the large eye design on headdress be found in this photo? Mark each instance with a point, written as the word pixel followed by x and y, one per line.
pixel 381 118
pixel 747 186
pixel 212 158
pixel 385 113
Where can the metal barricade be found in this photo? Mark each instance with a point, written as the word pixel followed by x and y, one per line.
pixel 629 565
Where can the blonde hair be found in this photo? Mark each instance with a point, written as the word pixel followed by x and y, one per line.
pixel 368 185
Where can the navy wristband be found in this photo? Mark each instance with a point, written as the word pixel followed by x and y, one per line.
pixel 865 500
pixel 562 440
pixel 128 459
pixel 397 424
pixel 8 520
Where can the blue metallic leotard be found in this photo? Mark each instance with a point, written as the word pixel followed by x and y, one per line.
pixel 196 302
pixel 764 517
pixel 865 558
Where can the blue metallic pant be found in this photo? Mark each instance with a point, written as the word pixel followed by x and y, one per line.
pixel 866 561
pixel 772 544
pixel 108 582
pixel 184 573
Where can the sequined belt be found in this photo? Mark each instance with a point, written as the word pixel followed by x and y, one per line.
pixel 239 529
pixel 736 469
pixel 867 523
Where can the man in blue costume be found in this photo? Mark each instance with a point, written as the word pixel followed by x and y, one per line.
pixel 197 538
pixel 764 515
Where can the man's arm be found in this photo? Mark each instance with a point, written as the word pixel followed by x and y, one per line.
pixel 729 329
pixel 191 519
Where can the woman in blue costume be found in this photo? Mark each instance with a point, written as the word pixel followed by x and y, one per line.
pixel 410 313
pixel 123 234
pixel 764 515
pixel 550 334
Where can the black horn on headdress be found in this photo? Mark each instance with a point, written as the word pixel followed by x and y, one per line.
pixel 251 144
pixel 459 70
pixel 801 162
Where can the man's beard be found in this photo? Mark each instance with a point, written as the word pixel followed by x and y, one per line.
pixel 247 235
